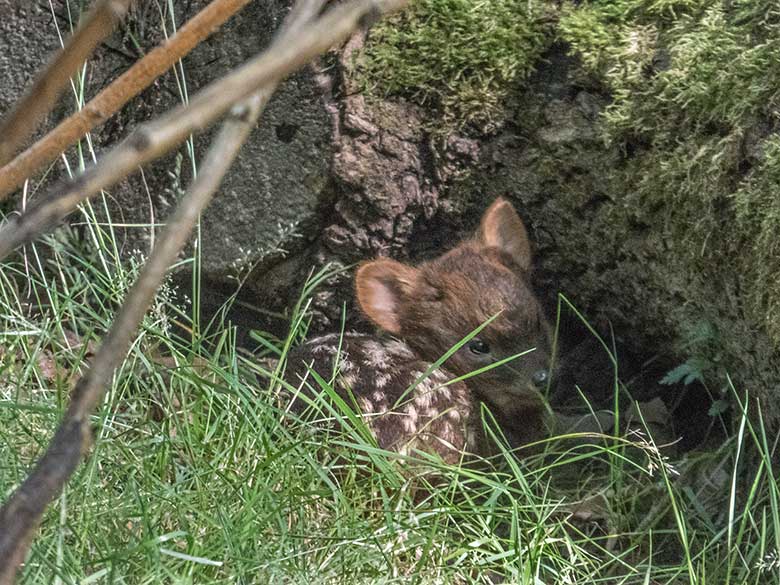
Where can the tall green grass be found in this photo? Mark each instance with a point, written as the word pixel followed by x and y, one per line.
pixel 198 476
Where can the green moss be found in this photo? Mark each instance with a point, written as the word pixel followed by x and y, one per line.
pixel 757 208
pixel 459 56
pixel 594 30
pixel 696 90
pixel 693 124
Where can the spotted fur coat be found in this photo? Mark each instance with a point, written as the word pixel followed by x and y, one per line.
pixel 376 377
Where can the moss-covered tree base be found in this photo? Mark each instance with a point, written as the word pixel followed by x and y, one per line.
pixel 622 265
pixel 648 164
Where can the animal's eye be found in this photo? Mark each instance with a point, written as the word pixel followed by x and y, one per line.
pixel 479 347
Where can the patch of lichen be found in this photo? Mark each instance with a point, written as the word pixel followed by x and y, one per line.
pixel 696 100
pixel 459 57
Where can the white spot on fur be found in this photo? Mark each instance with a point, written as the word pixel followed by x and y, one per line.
pixel 409 425
pixel 448 435
pixel 348 379
pixel 381 380
pixel 376 404
pixel 323 349
pixel 346 365
pixel 366 406
pixel 374 354
pixel 423 399
pixel 444 393
pixel 399 349
pixel 409 419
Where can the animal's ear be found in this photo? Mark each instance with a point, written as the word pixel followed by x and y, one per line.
pixel 382 286
pixel 502 228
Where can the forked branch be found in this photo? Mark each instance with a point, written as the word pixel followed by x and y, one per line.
pixel 21 514
pixel 40 98
pixel 117 93
pixel 153 139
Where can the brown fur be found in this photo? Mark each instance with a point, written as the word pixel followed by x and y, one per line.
pixel 429 309
pixel 435 305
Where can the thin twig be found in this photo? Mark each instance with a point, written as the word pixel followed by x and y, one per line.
pixel 39 100
pixel 117 94
pixel 153 139
pixel 20 516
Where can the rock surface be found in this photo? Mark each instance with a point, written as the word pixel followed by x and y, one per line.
pixel 329 178
pixel 27 41
pixel 276 184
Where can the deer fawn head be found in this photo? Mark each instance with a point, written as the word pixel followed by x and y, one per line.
pixel 435 305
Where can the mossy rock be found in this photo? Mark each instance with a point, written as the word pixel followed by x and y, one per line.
pixel 696 100
pixel 459 57
pixel 657 213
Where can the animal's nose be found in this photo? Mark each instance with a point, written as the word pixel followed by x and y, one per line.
pixel 540 378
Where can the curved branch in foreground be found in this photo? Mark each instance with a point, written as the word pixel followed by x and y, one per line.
pixel 154 139
pixel 40 98
pixel 111 98
pixel 20 516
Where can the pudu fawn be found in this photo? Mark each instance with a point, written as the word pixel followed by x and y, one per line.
pixel 423 311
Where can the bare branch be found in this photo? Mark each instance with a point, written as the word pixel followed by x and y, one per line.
pixel 40 98
pixel 117 94
pixel 155 138
pixel 20 516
